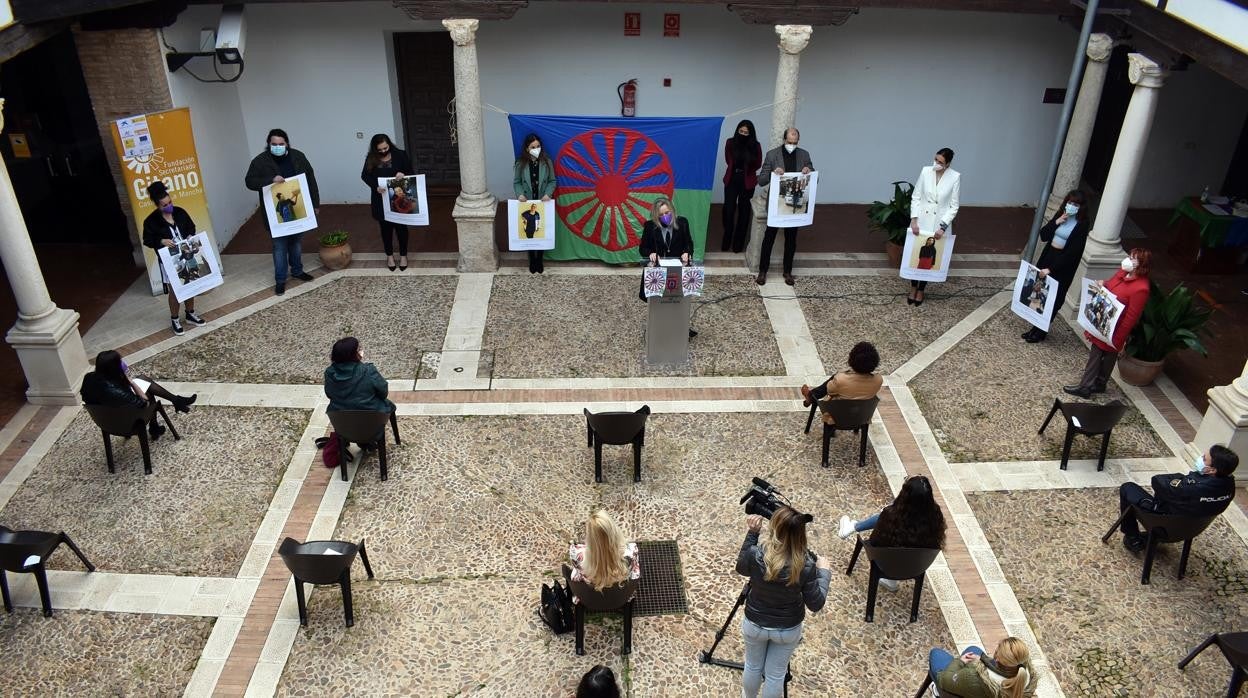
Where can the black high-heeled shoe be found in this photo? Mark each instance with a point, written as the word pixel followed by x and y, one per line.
pixel 183 404
pixel 390 264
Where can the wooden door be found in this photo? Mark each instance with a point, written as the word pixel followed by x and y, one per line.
pixel 426 77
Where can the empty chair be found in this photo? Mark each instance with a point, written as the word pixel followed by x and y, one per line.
pixel 27 552
pixel 617 598
pixel 893 563
pixel 323 562
pixel 846 415
pixel 1089 419
pixel 1234 647
pixel 367 428
pixel 1164 528
pixel 128 421
pixel 617 429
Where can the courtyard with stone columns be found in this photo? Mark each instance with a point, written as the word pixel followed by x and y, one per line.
pixel 492 480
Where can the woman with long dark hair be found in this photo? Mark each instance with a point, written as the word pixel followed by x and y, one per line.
pixel 384 159
pixel 913 520
pixel 168 226
pixel 110 384
pixel 785 580
pixel 534 179
pixel 1065 237
pixel 743 156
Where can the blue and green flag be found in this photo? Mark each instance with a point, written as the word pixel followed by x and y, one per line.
pixel 610 170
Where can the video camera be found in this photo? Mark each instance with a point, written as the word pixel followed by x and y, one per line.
pixel 763 499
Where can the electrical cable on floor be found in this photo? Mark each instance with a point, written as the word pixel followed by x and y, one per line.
pixel 872 299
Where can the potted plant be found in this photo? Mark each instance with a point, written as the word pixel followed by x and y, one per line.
pixel 893 219
pixel 335 252
pixel 1170 322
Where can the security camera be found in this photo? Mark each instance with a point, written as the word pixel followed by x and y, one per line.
pixel 231 35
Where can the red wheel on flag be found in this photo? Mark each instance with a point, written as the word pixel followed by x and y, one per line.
pixel 608 180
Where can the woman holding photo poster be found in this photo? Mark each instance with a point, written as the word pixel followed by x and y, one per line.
pixel 167 227
pixel 534 179
pixel 933 206
pixel 384 159
pixel 1130 285
pixel 1065 236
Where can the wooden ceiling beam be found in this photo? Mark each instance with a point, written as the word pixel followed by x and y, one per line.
pixel 34 11
pixel 1183 38
pixel 17 38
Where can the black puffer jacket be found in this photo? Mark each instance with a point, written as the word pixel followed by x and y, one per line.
pixel 98 390
pixel 776 604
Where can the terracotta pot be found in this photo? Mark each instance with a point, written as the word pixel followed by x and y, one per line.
pixel 893 250
pixel 336 257
pixel 1139 373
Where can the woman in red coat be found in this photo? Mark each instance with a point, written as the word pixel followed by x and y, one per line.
pixel 1130 286
pixel 744 156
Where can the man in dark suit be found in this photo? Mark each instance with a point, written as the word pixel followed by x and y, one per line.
pixel 786 158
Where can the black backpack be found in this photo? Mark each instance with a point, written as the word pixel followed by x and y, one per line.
pixel 556 609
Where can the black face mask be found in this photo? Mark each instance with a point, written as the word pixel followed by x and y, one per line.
pixel 742 138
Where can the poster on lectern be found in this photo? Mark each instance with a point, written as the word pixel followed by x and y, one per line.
pixel 191 266
pixel 1035 296
pixel 530 224
pixel 790 199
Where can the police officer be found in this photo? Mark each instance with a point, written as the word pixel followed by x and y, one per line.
pixel 1204 491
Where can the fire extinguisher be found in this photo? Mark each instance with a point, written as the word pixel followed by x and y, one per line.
pixel 628 97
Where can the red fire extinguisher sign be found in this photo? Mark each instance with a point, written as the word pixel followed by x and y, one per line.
pixel 628 97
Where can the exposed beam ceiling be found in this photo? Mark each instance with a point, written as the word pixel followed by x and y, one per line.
pixel 473 9
pixel 17 38
pixel 34 11
pixel 1183 38
pixel 805 13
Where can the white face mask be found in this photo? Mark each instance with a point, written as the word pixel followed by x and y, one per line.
pixel 1072 209
pixel 790 147
pixel 535 152
pixel 1198 464
pixel 1128 265
pixel 937 166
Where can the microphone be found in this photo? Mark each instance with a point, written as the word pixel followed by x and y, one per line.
pixel 763 483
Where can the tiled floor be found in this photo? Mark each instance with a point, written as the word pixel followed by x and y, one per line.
pixel 493 479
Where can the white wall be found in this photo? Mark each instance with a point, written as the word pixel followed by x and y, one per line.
pixel 1199 118
pixel 217 120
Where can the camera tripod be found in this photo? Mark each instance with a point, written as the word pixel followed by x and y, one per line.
pixel 708 656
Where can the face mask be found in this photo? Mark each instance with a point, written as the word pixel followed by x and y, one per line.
pixel 743 136
pixel 1128 265
pixel 790 147
pixel 937 166
pixel 666 219
pixel 1198 464
pixel 167 209
pixel 1072 209
pixel 534 152
pixel 277 150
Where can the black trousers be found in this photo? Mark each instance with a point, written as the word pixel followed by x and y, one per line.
pixel 399 230
pixel 737 214
pixel 769 241
pixel 535 261
pixel 918 284
pixel 819 392
pixel 1130 493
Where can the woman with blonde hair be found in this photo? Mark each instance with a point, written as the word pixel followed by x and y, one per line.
pixel 606 558
pixel 1006 674
pixel 785 580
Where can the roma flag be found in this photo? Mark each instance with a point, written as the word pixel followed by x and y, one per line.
pixel 610 170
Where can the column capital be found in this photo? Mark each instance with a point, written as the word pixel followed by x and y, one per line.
pixel 463 31
pixel 793 37
pixel 1099 47
pixel 1144 71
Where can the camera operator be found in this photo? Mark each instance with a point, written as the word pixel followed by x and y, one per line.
pixel 785 580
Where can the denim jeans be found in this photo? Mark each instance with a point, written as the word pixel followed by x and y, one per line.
pixel 867 524
pixel 938 659
pixel 767 653
pixel 287 251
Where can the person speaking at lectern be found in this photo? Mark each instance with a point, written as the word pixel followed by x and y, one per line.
pixel 664 236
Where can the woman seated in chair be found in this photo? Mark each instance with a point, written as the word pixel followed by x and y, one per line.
pixel 605 558
pixel 351 384
pixel 858 382
pixel 1006 674
pixel 110 385
pixel 913 520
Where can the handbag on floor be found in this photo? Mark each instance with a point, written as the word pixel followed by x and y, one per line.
pixel 556 609
pixel 331 450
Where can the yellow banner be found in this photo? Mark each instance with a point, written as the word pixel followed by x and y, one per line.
pixel 167 153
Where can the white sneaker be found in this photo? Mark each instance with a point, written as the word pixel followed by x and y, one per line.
pixel 890 584
pixel 846 528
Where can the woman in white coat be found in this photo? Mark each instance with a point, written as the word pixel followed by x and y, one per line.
pixel 933 206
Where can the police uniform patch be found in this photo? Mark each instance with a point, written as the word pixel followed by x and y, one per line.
pixel 1176 482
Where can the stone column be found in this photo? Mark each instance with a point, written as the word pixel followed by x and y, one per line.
pixel 475 206
pixel 793 39
pixel 1225 422
pixel 1079 135
pixel 1104 251
pixel 45 337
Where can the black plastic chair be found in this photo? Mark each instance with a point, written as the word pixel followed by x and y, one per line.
pixel 846 415
pixel 894 563
pixel 367 428
pixel 928 681
pixel 1164 528
pixel 310 563
pixel 1089 419
pixel 1234 647
pixel 618 598
pixel 128 421
pixel 17 547
pixel 617 429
